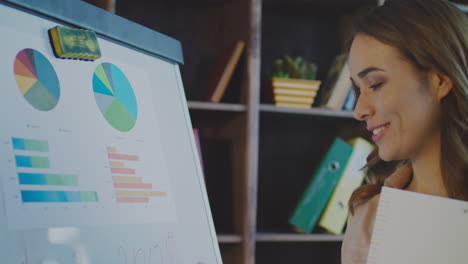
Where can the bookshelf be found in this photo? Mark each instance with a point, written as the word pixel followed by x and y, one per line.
pixel 196 105
pixel 257 157
pixel 272 237
pixel 319 112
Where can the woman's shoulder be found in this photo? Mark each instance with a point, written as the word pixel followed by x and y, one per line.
pixel 365 206
pixel 361 223
pixel 364 214
pixel 359 231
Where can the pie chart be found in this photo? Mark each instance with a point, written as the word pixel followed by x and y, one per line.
pixel 36 79
pixel 114 97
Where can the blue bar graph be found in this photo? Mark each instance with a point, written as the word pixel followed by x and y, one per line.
pixel 32 161
pixel 18 143
pixel 32 178
pixel 48 179
pixel 23 161
pixel 58 196
pixel 30 144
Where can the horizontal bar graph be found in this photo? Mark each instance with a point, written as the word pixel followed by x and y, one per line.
pixel 111 149
pixel 133 185
pixel 32 161
pixel 48 179
pixel 58 196
pixel 117 156
pixel 122 170
pixel 126 179
pixel 30 144
pixel 128 187
pixel 140 193
pixel 132 200
pixel 117 164
pixel 40 180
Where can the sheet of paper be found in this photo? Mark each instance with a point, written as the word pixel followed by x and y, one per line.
pixel 418 228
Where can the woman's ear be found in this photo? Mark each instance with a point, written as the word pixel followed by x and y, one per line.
pixel 442 85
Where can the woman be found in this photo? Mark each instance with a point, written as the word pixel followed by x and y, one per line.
pixel 408 62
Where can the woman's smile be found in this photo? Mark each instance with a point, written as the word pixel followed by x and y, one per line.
pixel 379 132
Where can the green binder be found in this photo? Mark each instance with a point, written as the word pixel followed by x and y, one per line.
pixel 321 187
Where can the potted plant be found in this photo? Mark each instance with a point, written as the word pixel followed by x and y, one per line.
pixel 294 82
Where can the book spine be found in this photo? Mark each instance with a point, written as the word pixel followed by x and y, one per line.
pixel 333 74
pixel 226 71
pixel 218 71
pixel 340 90
pixel 350 101
pixel 320 188
pixel 335 214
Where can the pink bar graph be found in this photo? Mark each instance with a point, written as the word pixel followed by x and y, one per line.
pixel 122 156
pixel 123 170
pixel 133 185
pixel 132 199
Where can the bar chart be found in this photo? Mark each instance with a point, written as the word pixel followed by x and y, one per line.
pixel 32 161
pixel 59 196
pixel 129 186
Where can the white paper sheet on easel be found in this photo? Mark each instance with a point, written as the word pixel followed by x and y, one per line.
pixel 418 228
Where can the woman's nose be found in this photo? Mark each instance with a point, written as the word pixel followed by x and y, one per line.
pixel 364 108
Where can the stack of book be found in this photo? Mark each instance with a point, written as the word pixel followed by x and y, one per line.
pixel 337 92
pixel 296 93
pixel 325 200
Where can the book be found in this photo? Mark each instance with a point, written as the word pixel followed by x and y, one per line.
pixel 350 101
pixel 331 79
pixel 335 214
pixel 337 85
pixel 412 227
pixel 321 186
pixel 339 91
pixel 223 71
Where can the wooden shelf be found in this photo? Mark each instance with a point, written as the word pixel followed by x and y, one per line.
pixel 312 111
pixel 278 237
pixel 229 239
pixel 259 143
pixel 196 105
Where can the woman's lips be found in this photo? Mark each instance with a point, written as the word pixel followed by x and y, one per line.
pixel 379 132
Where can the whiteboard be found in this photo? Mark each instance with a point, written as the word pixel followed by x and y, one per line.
pixel 97 159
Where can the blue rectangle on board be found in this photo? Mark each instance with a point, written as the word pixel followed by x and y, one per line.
pixel 23 161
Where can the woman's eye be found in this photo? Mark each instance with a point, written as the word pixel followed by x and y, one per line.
pixel 375 86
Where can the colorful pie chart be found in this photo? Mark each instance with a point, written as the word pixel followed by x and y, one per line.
pixel 36 79
pixel 114 97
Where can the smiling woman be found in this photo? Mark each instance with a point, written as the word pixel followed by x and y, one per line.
pixel 408 65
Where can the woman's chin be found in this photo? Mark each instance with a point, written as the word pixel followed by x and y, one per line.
pixel 386 155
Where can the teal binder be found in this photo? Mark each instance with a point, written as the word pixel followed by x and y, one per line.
pixel 321 186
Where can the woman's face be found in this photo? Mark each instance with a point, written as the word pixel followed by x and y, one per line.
pixel 397 103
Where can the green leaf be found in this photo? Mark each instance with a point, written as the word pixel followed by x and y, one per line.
pixel 293 70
